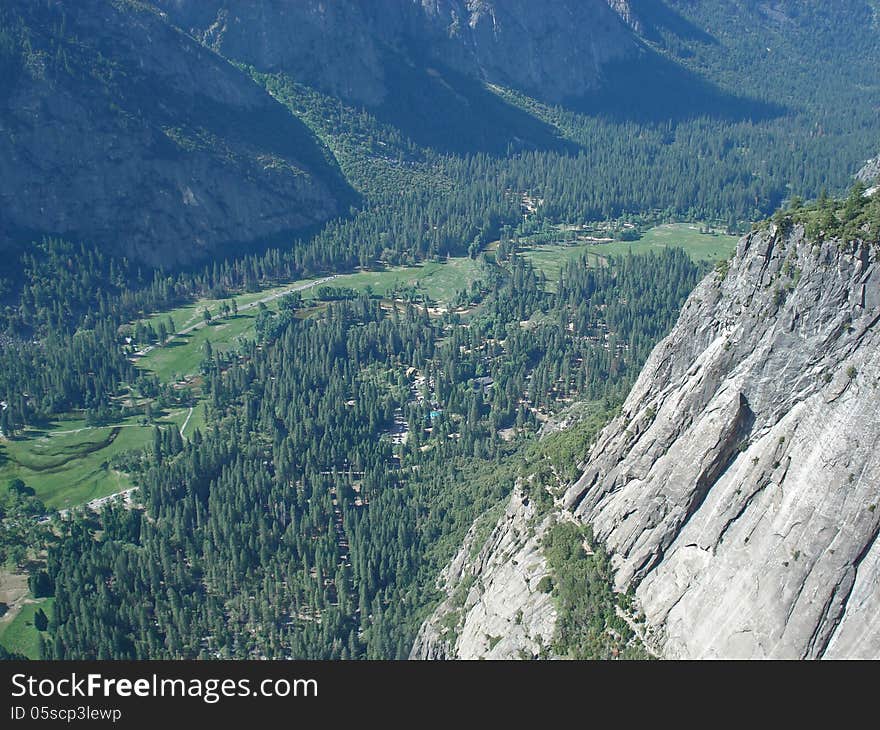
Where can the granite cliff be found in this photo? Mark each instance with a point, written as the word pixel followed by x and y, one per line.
pixel 493 607
pixel 350 47
pixel 738 491
pixel 739 487
pixel 870 172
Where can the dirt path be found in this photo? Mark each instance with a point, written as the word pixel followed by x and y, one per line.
pixel 171 414
pixel 14 593
pixel 188 416
pixel 90 428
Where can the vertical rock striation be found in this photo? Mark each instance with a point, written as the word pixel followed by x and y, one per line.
pixel 739 489
pixel 554 50
pixel 493 608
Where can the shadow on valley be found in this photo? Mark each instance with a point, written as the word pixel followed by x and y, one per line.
pixel 271 130
pixel 654 89
pixel 657 17
pixel 245 128
pixel 450 112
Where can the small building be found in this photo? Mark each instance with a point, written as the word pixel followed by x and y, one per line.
pixel 484 382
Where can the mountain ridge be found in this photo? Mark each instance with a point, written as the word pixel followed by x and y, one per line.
pixel 515 42
pixel 146 142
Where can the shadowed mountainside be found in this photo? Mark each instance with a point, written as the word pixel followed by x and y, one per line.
pixel 117 128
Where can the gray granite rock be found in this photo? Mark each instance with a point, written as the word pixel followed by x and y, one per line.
pixel 739 489
pixel 870 173
pixel 493 608
pixel 351 47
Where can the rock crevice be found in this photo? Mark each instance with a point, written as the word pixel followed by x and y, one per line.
pixel 745 513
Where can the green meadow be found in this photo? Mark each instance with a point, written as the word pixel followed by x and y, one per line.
pixel 439 281
pixel 191 313
pixel 19 635
pixel 551 258
pixel 67 463
pixel 699 246
pixel 181 355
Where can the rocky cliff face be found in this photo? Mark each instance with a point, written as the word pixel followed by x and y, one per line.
pixel 494 609
pixel 627 14
pixel 553 50
pixel 870 173
pixel 739 489
pixel 119 129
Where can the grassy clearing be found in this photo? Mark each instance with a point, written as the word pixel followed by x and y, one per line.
pixel 82 477
pixel 181 355
pixel 196 420
pixel 551 258
pixel 439 281
pixel 699 246
pixel 20 635
pixel 190 314
pixel 68 464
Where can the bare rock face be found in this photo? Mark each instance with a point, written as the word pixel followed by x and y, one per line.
pixel 870 173
pixel 326 44
pixel 739 489
pixel 627 14
pixel 554 49
pixel 493 608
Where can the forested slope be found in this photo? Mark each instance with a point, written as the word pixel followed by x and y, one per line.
pixel 118 130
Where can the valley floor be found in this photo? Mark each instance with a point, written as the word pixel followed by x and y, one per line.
pixel 69 463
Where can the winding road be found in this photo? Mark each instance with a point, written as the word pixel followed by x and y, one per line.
pixel 243 308
pixel 96 504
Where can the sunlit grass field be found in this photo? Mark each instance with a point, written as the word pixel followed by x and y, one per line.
pixel 68 464
pixel 551 258
pixel 19 635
